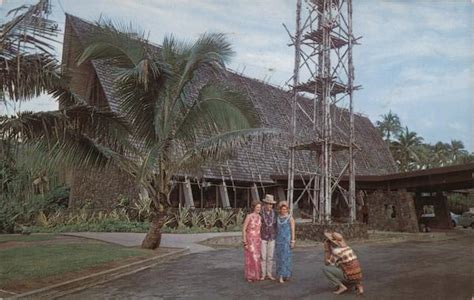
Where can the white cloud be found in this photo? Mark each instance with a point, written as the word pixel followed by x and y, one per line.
pixel 411 52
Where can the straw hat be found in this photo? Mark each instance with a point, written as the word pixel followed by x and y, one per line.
pixel 268 199
pixel 336 238
pixel 282 203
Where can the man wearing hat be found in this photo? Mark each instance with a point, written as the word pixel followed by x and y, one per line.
pixel 341 264
pixel 268 234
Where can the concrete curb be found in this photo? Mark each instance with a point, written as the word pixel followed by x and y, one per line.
pixel 77 284
pixel 390 237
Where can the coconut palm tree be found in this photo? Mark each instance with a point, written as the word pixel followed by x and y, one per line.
pixel 78 134
pixel 390 126
pixel 456 151
pixel 405 150
pixel 28 66
pixel 176 131
pixel 440 154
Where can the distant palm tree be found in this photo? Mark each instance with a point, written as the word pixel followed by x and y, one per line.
pixel 176 132
pixel 390 126
pixel 440 154
pixel 456 151
pixel 406 149
pixel 425 156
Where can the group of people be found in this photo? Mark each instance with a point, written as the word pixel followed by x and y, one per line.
pixel 267 232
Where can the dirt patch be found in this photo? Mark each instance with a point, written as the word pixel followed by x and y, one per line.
pixel 28 285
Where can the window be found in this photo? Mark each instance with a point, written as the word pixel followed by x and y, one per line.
pixel 428 211
pixel 394 212
pixel 390 211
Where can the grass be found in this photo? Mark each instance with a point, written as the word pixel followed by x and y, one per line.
pixel 25 238
pixel 26 263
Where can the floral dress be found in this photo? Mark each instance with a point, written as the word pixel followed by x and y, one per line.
pixel 282 247
pixel 254 245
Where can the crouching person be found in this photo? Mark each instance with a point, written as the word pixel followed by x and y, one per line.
pixel 342 267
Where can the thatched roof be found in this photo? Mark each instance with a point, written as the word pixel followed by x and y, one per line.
pixel 254 163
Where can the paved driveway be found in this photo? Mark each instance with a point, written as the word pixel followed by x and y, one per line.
pixel 407 270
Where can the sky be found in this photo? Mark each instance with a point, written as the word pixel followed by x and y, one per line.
pixel 416 57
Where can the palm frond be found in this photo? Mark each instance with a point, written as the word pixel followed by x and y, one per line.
pixel 211 50
pixel 28 31
pixel 62 93
pixel 28 75
pixel 149 163
pixel 76 150
pixel 111 40
pixel 217 109
pixel 105 127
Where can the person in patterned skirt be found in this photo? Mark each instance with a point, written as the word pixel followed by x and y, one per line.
pixel 252 243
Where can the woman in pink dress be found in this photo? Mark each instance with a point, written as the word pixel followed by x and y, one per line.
pixel 252 243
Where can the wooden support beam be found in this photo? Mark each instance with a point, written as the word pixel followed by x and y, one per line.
pixel 248 198
pixel 188 194
pixel 224 195
pixel 281 193
pixel 202 196
pixel 180 195
pixel 254 192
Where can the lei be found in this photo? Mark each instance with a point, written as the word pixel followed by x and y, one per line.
pixel 285 220
pixel 271 220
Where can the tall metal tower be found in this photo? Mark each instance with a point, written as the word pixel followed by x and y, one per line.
pixel 323 86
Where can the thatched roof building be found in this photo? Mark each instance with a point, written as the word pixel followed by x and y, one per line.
pixel 252 163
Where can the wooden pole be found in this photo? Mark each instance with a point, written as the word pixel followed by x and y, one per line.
pixel 248 198
pixel 202 197
pixel 352 202
pixel 291 163
pixel 326 102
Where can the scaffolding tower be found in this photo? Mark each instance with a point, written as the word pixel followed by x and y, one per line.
pixel 322 84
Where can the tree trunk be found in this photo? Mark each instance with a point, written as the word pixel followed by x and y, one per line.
pixel 158 195
pixel 153 237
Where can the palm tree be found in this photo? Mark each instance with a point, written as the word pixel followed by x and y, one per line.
pixel 390 126
pixel 456 151
pixel 405 149
pixel 177 132
pixel 425 156
pixel 440 154
pixel 78 134
pixel 28 66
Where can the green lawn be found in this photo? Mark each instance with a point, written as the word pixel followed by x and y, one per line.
pixel 18 264
pixel 25 238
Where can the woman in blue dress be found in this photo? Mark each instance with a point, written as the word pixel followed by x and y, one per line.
pixel 284 242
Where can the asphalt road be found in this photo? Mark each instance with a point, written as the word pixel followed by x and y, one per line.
pixel 406 270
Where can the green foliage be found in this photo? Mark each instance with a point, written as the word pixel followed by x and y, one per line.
pixel 409 151
pixel 181 217
pixel 224 217
pixel 459 203
pixel 16 213
pixel 183 220
pixel 107 225
pixel 389 127
pixel 195 220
